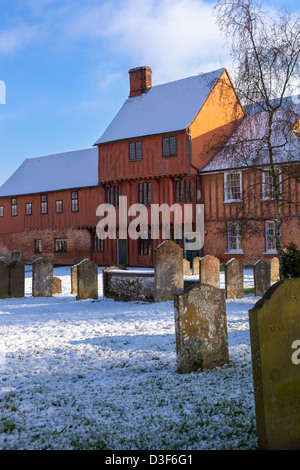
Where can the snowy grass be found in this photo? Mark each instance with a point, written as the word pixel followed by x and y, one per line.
pixel 102 375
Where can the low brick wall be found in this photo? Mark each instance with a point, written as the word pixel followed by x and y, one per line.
pixel 128 285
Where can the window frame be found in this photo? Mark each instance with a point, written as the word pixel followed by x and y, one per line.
pixel 44 204
pixel 145 193
pixel 226 175
pixel 63 242
pixel 112 195
pixel 38 241
pixel 14 207
pixel 135 151
pixel 27 206
pixel 270 250
pixel 166 146
pixel 57 203
pixel 97 243
pixel 264 196
pixel 74 201
pixel 1 211
pixel 236 236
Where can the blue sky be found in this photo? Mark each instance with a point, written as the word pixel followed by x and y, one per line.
pixel 65 65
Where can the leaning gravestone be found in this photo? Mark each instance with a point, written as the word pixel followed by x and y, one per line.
pixel 234 279
pixel 87 280
pixel 42 278
pixel 186 267
pixel 274 270
pixel 275 348
pixel 196 266
pixel 4 279
pixel 16 279
pixel 16 256
pixel 201 328
pixel 209 271
pixel 261 274
pixel 168 271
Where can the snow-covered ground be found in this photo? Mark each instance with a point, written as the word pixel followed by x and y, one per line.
pixel 102 375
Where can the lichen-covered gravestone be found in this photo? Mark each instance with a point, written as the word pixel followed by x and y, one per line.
pixel 275 348
pixel 42 278
pixel 74 279
pixel 196 266
pixel 87 280
pixel 16 279
pixel 186 267
pixel 56 285
pixel 209 271
pixel 4 279
pixel 168 271
pixel 261 274
pixel 201 328
pixel 234 279
pixel 274 270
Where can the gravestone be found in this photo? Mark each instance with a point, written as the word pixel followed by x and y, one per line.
pixel 261 274
pixel 42 278
pixel 274 270
pixel 196 266
pixel 74 279
pixel 186 267
pixel 56 285
pixel 168 271
pixel 209 271
pixel 87 280
pixel 16 279
pixel 201 328
pixel 16 256
pixel 4 279
pixel 275 348
pixel 234 279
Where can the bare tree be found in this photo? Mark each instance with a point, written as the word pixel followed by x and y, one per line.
pixel 265 51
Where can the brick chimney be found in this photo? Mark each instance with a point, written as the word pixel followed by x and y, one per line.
pixel 140 80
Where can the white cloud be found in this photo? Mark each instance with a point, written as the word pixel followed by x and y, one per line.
pixel 16 38
pixel 174 37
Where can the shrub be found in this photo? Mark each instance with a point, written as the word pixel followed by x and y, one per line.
pixel 290 261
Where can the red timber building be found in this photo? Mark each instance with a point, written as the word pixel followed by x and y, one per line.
pixel 163 146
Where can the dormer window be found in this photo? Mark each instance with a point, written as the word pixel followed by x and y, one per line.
pixel 169 146
pixel 135 150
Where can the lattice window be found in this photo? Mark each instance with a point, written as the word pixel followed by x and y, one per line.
pixel 234 236
pixel 233 186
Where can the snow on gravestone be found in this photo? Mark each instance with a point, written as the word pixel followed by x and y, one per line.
pixel 209 271
pixel 168 271
pixel 275 347
pixel 87 280
pixel 234 279
pixel 201 328
pixel 42 278
pixel 261 274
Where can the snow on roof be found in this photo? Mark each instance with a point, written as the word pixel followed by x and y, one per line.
pixel 163 108
pixel 247 146
pixel 75 169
